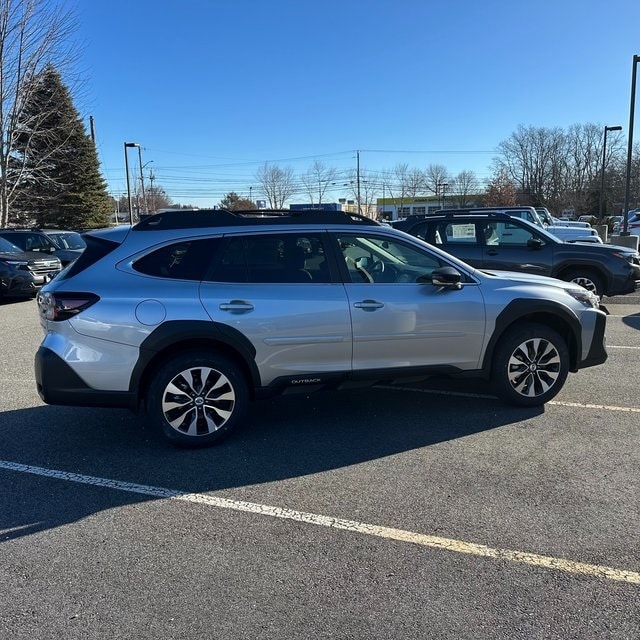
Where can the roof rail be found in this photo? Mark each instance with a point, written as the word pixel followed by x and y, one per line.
pixel 203 218
pixel 452 213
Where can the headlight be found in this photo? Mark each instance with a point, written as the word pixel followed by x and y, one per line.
pixel 588 298
pixel 631 258
pixel 16 263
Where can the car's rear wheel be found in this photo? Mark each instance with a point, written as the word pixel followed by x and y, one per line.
pixel 530 365
pixel 586 278
pixel 197 398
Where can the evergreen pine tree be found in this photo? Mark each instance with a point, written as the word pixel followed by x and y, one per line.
pixel 62 185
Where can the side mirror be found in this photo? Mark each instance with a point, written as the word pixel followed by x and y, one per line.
pixel 446 277
pixel 534 243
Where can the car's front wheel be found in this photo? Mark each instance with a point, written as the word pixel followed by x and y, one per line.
pixel 586 278
pixel 530 365
pixel 197 398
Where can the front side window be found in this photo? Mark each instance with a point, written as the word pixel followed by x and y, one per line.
pixel 35 242
pixel 380 259
pixel 503 234
pixel 274 258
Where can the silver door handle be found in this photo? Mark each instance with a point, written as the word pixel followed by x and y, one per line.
pixel 368 305
pixel 236 305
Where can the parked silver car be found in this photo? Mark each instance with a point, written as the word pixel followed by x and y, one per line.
pixel 189 315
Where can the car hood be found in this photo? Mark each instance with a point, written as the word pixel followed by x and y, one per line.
pixel 528 278
pixel 584 248
pixel 29 256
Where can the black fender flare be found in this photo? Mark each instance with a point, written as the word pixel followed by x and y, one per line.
pixel 173 334
pixel 536 311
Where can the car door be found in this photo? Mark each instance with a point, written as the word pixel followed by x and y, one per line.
pixel 399 319
pixel 510 245
pixel 280 291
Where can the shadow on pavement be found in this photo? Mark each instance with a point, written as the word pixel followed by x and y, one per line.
pixel 285 437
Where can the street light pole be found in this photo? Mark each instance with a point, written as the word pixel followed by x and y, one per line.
pixel 128 145
pixel 625 226
pixel 444 186
pixel 604 160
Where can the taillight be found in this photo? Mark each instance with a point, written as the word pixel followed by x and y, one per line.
pixel 62 306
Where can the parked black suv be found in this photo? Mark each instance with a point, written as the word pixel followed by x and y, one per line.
pixel 22 274
pixel 65 245
pixel 497 241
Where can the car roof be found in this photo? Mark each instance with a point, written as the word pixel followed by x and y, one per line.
pixel 205 218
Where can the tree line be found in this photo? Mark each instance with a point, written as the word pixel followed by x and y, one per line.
pixel 539 166
pixel 50 173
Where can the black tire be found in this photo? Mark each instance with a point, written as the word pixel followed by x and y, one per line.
pixel 530 365
pixel 587 278
pixel 197 398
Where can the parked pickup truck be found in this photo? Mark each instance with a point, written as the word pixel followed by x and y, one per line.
pixel 568 230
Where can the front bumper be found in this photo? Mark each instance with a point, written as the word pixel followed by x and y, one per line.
pixel 598 351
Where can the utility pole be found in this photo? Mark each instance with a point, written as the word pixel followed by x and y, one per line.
pixel 93 131
pixel 126 166
pixel 358 180
pixel 153 196
pixel 144 197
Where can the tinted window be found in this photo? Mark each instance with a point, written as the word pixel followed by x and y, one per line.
pixel 188 260
pixel 8 247
pixel 32 242
pixel 275 258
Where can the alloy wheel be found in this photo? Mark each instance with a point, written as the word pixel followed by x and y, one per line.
pixel 198 401
pixel 534 367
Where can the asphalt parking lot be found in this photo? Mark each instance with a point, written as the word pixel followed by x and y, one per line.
pixel 422 511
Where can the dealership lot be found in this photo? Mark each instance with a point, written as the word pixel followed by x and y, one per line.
pixel 425 511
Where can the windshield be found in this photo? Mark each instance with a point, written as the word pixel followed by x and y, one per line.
pixel 541 231
pixel 67 240
pixel 9 247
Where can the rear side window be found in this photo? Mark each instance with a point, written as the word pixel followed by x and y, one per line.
pixel 274 258
pixel 97 248
pixel 185 260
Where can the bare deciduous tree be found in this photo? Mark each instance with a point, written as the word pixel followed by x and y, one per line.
pixel 435 175
pixel 278 184
pixel 33 35
pixel 317 180
pixel 368 191
pixel 464 188
pixel 562 169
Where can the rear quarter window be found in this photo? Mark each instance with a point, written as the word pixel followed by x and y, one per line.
pixel 185 260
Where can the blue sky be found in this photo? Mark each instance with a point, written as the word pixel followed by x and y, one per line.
pixel 213 89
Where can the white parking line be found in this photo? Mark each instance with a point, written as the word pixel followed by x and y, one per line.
pixel 442 392
pixel 619 346
pixel 401 535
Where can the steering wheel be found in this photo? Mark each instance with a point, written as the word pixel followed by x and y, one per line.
pixel 377 266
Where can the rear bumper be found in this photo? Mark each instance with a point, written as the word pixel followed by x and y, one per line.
pixel 58 383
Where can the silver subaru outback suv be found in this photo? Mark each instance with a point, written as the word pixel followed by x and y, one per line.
pixel 189 315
